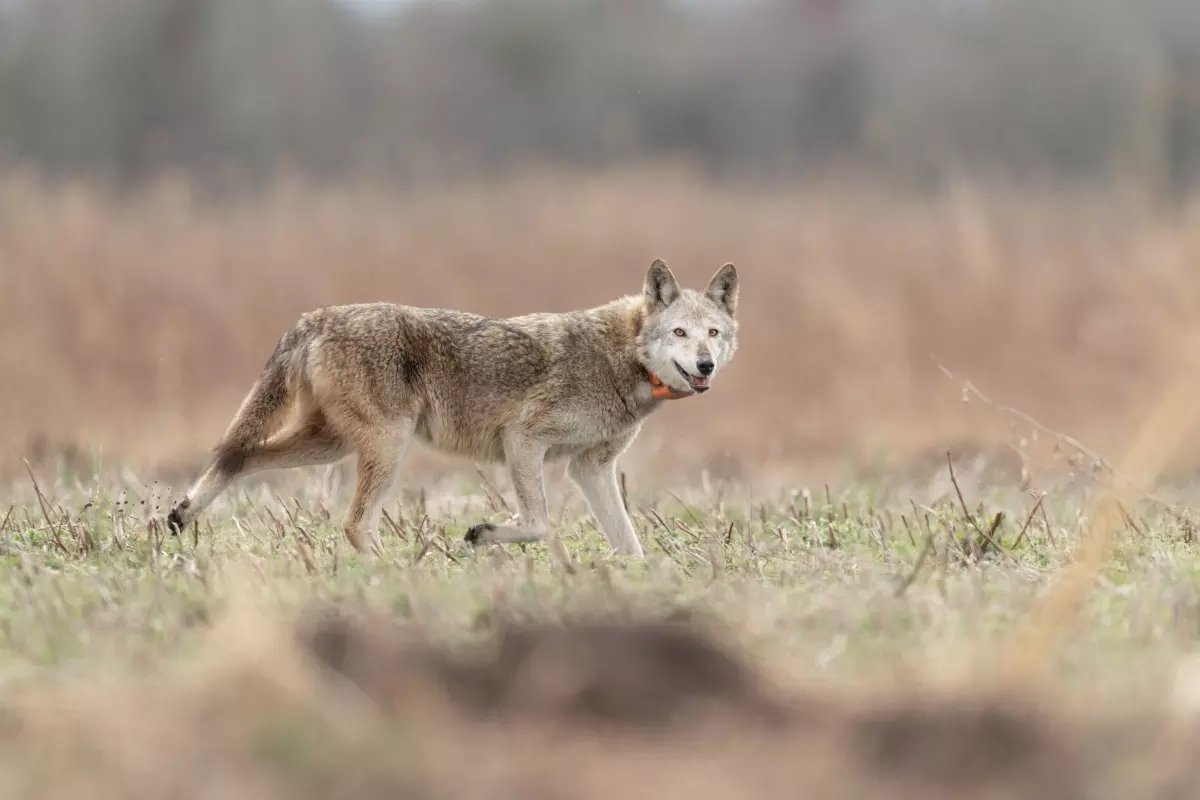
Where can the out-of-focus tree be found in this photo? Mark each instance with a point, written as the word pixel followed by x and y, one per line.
pixel 1074 88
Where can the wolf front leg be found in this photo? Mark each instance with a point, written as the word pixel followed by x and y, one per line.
pixel 526 461
pixel 595 473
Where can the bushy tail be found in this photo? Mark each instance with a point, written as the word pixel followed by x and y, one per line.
pixel 263 409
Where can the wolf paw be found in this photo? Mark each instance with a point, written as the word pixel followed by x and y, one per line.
pixel 477 534
pixel 175 521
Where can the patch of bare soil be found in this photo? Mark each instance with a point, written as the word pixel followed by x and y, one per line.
pixel 362 709
pixel 642 709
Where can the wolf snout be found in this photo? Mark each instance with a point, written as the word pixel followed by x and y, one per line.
pixel 705 367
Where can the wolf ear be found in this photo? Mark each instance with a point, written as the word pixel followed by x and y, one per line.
pixel 661 287
pixel 723 289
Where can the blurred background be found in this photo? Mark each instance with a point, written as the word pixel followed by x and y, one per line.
pixel 1005 187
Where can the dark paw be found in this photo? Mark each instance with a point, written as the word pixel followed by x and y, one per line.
pixel 175 521
pixel 475 536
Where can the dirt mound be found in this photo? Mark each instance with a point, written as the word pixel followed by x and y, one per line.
pixel 667 689
pixel 652 675
pixel 579 711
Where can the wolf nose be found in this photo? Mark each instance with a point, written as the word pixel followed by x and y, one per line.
pixel 705 367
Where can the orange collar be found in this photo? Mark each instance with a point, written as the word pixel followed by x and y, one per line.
pixel 660 391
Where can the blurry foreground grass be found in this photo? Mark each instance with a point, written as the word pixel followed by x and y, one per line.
pixel 890 604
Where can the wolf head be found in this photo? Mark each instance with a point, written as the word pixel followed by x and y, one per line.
pixel 687 336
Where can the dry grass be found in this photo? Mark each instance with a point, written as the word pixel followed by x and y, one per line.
pixel 378 717
pixel 845 643
pixel 134 324
pixel 854 639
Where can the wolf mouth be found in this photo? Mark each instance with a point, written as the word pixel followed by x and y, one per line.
pixel 698 383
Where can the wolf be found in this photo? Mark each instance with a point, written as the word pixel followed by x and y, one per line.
pixel 370 379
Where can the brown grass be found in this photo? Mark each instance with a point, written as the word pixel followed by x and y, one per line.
pixel 133 324
pixel 587 711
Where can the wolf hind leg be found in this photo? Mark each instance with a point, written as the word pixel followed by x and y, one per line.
pixel 380 452
pixel 262 411
pixel 310 443
pixel 224 469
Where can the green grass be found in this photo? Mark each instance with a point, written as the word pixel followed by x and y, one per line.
pixel 822 583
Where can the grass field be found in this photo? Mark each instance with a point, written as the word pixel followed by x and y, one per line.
pixel 132 324
pixel 865 580
pixel 824 602
pixel 146 664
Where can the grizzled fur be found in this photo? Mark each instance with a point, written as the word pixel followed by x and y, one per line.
pixel 368 379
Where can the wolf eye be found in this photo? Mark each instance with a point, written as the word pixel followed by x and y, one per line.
pixel 713 332
pixel 680 332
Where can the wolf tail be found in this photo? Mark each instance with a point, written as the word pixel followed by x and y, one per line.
pixel 265 406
